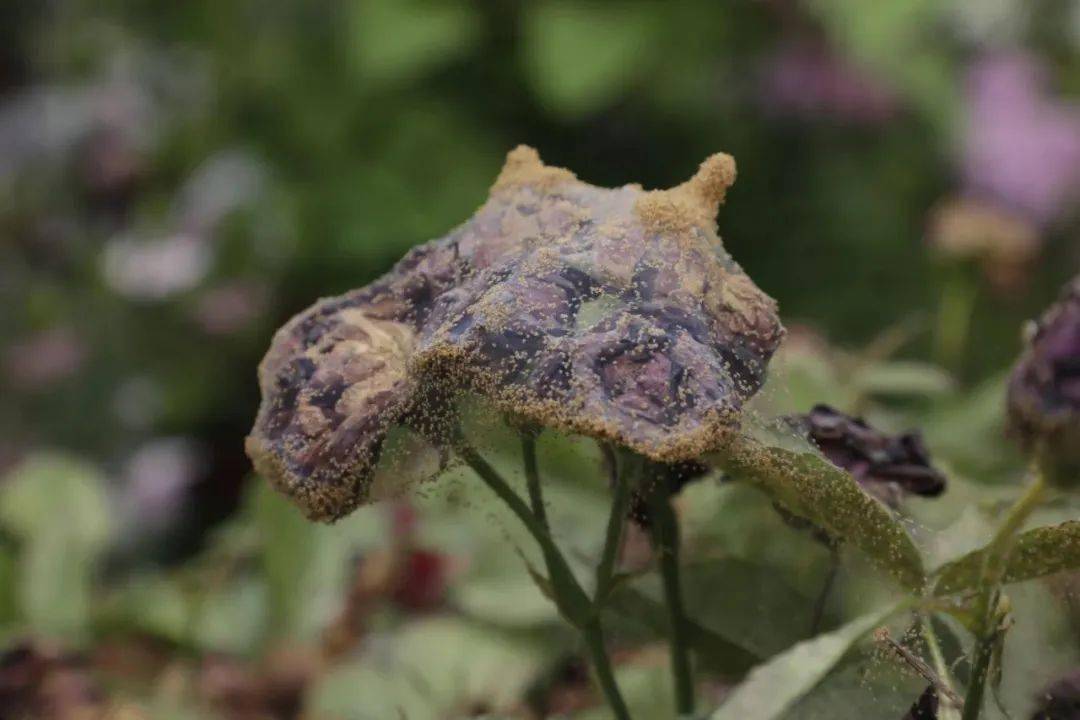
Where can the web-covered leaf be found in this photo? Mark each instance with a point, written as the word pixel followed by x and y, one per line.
pixel 774 687
pixel 808 486
pixel 1036 553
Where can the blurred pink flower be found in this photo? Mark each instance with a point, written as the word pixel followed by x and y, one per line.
pixel 230 307
pixel 156 269
pixel 1022 145
pixel 808 81
pixel 220 185
pixel 44 358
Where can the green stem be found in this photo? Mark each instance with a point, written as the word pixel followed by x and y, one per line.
pixel 986 604
pixel 532 476
pixel 980 668
pixel 665 532
pixel 954 319
pixel 594 638
pixel 605 571
pixel 951 702
pixel 569 597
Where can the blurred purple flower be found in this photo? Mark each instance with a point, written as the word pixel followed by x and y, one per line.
pixel 808 81
pixel 1022 146
pixel 44 358
pixel 156 478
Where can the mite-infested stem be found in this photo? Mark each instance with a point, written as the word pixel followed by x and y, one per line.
pixel 620 502
pixel 665 534
pixel 987 601
pixel 953 705
pixel 571 600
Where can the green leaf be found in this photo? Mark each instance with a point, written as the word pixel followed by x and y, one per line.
pixel 50 490
pixel 306 565
pixel 232 618
pixel 762 591
pixel 1036 553
pixel 582 56
pixel 401 40
pixel 57 507
pixel 512 600
pixel 152 604
pixel 431 669
pixel 865 688
pixel 8 584
pixel 807 485
pixel 647 688
pixel 718 652
pixel 904 377
pixel 55 583
pixel 773 687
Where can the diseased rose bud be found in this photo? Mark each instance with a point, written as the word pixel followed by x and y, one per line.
pixel 1044 390
pixel 675 475
pixel 886 466
pixel 614 313
pixel 1060 700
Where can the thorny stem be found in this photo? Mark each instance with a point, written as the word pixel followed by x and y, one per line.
pixel 567 593
pixel 665 532
pixel 986 604
pixel 605 571
pixel 532 476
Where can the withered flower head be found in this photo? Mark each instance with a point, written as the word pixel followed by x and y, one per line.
pixel 1060 700
pixel 1044 388
pixel 886 466
pixel 926 707
pixel 615 313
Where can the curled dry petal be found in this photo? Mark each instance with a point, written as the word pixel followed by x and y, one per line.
pixel 614 313
pixel 886 466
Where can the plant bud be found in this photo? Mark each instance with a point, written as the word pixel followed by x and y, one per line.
pixel 1044 390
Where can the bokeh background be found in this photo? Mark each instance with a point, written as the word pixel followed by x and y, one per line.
pixel 178 178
